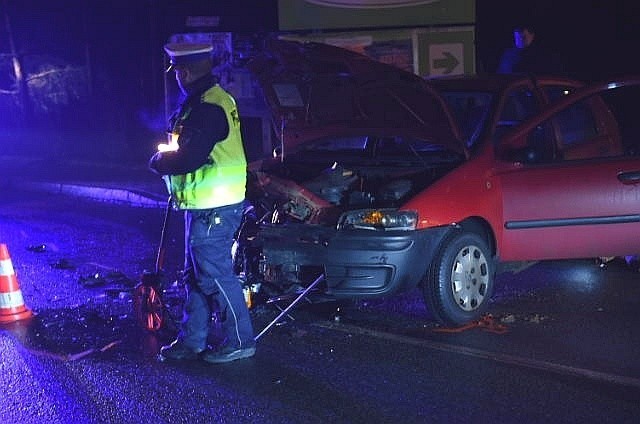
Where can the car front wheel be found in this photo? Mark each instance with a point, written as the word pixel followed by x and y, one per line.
pixel 460 279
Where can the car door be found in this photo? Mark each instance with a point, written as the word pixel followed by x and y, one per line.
pixel 569 182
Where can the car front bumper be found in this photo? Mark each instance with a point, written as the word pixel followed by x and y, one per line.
pixel 356 263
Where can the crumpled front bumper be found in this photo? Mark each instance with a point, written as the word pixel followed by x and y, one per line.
pixel 356 263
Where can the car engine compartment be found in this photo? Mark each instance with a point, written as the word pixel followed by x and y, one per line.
pixel 296 203
pixel 317 191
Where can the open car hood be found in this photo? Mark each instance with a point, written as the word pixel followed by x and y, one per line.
pixel 315 90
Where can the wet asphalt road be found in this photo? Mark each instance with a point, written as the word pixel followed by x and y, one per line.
pixel 564 347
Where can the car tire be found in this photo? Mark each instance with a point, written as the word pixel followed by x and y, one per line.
pixel 460 280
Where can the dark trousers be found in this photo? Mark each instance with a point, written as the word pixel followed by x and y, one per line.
pixel 211 282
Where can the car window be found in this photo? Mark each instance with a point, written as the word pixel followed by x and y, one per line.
pixel 339 143
pixel 365 146
pixel 555 92
pixel 622 103
pixel 570 134
pixel 519 104
pixel 575 125
pixel 470 108
pixel 602 125
pixel 404 146
pixel 536 147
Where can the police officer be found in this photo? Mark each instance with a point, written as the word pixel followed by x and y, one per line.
pixel 204 166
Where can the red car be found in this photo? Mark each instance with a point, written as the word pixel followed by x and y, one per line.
pixel 384 182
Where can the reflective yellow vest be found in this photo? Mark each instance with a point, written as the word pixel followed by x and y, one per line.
pixel 223 181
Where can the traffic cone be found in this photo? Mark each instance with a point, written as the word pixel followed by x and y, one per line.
pixel 12 306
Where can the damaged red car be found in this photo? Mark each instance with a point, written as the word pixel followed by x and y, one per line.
pixel 383 182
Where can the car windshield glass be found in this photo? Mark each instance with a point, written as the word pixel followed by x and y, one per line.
pixel 403 146
pixel 384 149
pixel 470 109
pixel 375 145
pixel 333 144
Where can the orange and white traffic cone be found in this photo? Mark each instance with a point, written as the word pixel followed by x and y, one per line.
pixel 12 306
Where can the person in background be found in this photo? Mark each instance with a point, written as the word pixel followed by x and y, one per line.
pixel 527 55
pixel 204 166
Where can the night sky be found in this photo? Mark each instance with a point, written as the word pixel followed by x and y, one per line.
pixel 595 38
pixel 120 43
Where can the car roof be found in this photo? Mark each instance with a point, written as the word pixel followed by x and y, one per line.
pixel 496 83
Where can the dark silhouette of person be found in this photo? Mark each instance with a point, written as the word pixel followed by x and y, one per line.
pixel 527 55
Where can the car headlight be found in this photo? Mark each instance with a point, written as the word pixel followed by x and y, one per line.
pixel 379 219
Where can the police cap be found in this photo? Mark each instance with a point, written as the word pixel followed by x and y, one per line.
pixel 185 53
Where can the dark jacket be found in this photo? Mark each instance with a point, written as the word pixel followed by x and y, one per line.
pixel 533 59
pixel 206 125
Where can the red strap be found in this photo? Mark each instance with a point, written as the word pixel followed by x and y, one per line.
pixel 486 323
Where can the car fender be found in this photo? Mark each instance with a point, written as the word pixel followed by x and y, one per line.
pixel 467 191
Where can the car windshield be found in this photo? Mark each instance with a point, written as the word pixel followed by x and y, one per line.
pixel 333 144
pixel 470 110
pixel 382 147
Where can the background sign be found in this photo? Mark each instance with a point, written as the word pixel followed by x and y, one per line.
pixel 296 15
pixel 445 51
pixel 428 52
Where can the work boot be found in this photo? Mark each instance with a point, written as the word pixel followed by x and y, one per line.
pixel 178 351
pixel 228 355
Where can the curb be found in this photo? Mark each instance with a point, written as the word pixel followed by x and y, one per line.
pixel 104 194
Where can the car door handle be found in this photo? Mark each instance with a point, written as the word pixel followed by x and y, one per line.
pixel 629 177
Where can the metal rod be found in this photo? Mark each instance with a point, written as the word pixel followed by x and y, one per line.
pixel 162 247
pixel 291 305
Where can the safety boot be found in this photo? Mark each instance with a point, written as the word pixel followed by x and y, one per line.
pixel 228 355
pixel 178 351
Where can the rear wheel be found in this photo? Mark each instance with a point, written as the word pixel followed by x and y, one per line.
pixel 460 280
